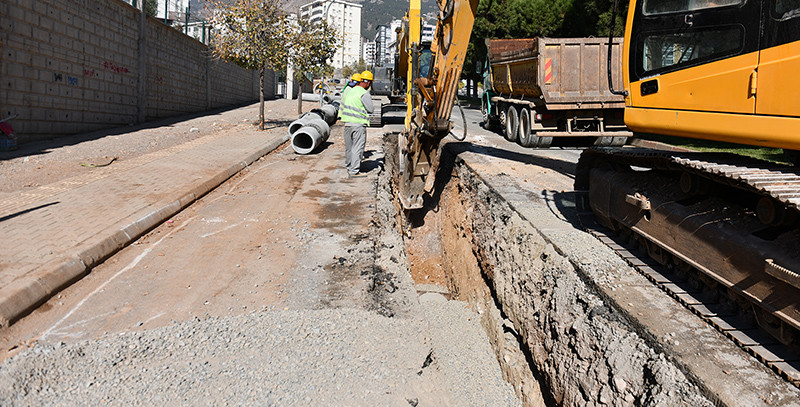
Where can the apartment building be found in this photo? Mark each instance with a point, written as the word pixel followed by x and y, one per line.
pixel 368 51
pixel 345 18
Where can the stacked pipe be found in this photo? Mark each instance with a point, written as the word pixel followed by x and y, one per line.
pixel 312 129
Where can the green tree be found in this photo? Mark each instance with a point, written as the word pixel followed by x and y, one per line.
pixel 151 7
pixel 534 18
pixel 311 46
pixel 355 67
pixel 253 34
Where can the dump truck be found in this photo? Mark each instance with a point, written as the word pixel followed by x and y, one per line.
pixel 538 90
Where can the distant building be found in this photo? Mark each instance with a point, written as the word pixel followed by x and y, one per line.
pixel 384 54
pixel 199 30
pixel 427 31
pixel 345 18
pixel 368 52
pixel 386 41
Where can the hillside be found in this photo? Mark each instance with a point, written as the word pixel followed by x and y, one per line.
pixel 377 12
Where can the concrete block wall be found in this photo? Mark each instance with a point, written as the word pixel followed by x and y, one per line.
pixel 71 66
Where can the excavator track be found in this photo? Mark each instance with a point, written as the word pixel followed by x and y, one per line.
pixel 780 183
pixel 732 219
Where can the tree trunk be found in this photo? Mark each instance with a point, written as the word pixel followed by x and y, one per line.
pixel 261 98
pixel 299 96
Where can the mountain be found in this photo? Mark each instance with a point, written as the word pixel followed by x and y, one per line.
pixel 382 12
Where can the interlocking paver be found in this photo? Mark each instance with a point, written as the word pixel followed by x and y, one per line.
pixel 46 230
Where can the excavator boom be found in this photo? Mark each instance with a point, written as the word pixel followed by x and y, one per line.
pixel 430 95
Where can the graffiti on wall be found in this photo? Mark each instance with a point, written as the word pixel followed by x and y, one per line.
pixel 71 80
pixel 114 67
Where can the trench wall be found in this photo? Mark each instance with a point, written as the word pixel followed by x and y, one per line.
pixel 581 350
pixel 72 66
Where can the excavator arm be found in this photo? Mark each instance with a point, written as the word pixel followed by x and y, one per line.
pixel 430 95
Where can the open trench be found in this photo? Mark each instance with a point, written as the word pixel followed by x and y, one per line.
pixel 556 339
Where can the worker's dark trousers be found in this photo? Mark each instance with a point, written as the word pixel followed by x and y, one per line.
pixel 355 138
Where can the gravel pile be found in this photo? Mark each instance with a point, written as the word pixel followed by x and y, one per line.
pixel 321 357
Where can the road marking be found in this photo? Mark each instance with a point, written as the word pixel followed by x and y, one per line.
pixel 221 230
pixel 130 265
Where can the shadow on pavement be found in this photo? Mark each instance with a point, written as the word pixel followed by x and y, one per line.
pixel 563 167
pixel 39 147
pixel 20 213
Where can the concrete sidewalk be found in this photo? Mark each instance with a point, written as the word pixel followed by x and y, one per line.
pixel 55 234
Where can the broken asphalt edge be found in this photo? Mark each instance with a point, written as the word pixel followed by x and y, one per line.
pixel 23 295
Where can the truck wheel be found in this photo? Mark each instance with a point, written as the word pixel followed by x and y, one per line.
pixel 524 132
pixel 512 123
pixel 543 142
pixel 487 124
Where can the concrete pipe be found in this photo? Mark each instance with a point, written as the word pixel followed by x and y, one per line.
pixel 332 112
pixel 307 118
pixel 321 126
pixel 327 112
pixel 313 120
pixel 306 139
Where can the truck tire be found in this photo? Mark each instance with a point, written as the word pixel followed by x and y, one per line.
pixel 512 123
pixel 542 141
pixel 525 133
pixel 487 121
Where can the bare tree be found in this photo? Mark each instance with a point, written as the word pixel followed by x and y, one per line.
pixel 312 45
pixel 253 34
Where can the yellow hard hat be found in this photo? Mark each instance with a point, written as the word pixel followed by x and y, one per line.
pixel 356 77
pixel 366 76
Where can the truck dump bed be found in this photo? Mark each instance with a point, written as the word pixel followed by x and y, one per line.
pixel 560 73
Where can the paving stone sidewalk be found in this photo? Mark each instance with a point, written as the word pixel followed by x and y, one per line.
pixel 54 234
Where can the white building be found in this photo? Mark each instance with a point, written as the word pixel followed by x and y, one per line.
pixel 345 18
pixel 175 10
pixel 199 30
pixel 368 51
pixel 386 40
pixel 386 43
pixel 427 31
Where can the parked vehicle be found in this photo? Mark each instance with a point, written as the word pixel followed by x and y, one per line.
pixel 541 89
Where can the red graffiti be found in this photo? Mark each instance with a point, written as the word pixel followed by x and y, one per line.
pixel 88 72
pixel 159 79
pixel 111 66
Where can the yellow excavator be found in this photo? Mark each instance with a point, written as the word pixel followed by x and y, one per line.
pixel 723 70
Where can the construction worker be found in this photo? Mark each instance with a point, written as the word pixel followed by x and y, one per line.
pixel 354 112
pixel 354 80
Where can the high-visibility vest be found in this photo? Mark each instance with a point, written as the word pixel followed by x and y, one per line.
pixel 351 110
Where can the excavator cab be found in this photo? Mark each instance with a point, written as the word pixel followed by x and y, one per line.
pixel 720 70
